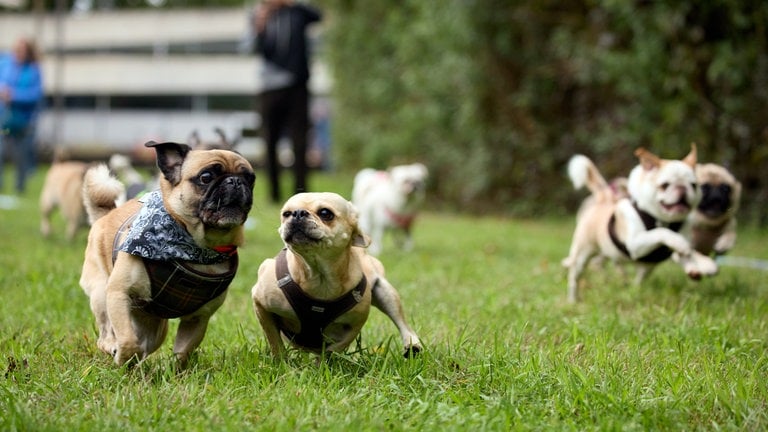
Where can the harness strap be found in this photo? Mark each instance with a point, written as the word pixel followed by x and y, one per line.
pixel 119 235
pixel 176 288
pixel 314 314
pixel 657 255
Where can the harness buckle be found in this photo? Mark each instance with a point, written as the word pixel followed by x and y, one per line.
pixel 357 295
pixel 283 281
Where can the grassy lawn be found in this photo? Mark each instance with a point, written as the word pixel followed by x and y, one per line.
pixel 487 296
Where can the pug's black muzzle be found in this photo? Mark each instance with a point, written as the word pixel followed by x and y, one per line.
pixel 715 200
pixel 227 201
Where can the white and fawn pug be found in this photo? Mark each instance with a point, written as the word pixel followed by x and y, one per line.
pixel 318 291
pixel 645 228
pixel 170 254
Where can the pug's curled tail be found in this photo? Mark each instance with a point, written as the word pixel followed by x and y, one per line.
pixel 583 172
pixel 101 192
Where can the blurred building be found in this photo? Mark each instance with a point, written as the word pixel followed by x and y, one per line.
pixel 115 79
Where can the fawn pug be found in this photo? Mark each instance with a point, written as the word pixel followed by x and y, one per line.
pixel 171 254
pixel 713 222
pixel 318 291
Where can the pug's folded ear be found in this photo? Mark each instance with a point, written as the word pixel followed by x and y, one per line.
pixel 170 157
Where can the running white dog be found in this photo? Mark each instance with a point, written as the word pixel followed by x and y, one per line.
pixel 644 228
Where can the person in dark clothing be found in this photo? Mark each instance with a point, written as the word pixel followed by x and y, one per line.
pixel 280 27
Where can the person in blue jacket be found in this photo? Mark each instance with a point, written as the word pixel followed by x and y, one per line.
pixel 21 97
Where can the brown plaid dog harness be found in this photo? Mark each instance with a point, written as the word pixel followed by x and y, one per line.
pixel 314 314
pixel 176 288
pixel 179 290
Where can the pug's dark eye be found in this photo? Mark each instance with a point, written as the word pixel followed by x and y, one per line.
pixel 325 214
pixel 205 177
pixel 664 186
pixel 287 214
pixel 250 178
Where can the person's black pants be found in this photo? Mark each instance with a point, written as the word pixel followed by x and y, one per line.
pixel 285 112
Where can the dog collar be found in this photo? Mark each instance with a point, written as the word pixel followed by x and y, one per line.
pixel 226 249
pixel 402 220
pixel 314 314
pixel 651 222
pixel 657 255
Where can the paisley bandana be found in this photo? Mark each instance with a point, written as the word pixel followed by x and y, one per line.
pixel 156 235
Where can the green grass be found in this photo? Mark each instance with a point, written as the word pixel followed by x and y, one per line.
pixel 487 295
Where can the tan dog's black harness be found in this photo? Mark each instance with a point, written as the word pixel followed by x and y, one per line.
pixel 176 288
pixel 657 255
pixel 314 314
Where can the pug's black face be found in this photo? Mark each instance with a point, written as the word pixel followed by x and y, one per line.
pixel 715 199
pixel 227 197
pixel 205 190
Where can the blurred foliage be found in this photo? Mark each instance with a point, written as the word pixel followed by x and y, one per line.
pixel 50 5
pixel 496 95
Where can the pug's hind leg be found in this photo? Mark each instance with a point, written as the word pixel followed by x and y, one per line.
pixel 578 264
pixel 385 298
pixel 106 341
pixel 189 335
pixel 45 219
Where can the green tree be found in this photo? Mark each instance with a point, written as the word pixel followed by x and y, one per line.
pixel 495 95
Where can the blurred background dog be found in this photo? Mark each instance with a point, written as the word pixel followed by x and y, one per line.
pixel 389 201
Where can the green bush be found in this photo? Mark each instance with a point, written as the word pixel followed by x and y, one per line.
pixel 495 96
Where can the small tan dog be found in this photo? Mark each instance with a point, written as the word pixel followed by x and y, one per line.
pixel 713 222
pixel 319 289
pixel 170 254
pixel 389 201
pixel 644 228
pixel 63 190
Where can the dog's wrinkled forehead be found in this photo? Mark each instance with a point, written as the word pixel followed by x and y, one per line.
pixel 714 174
pixel 676 172
pixel 326 205
pixel 224 161
pixel 177 161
